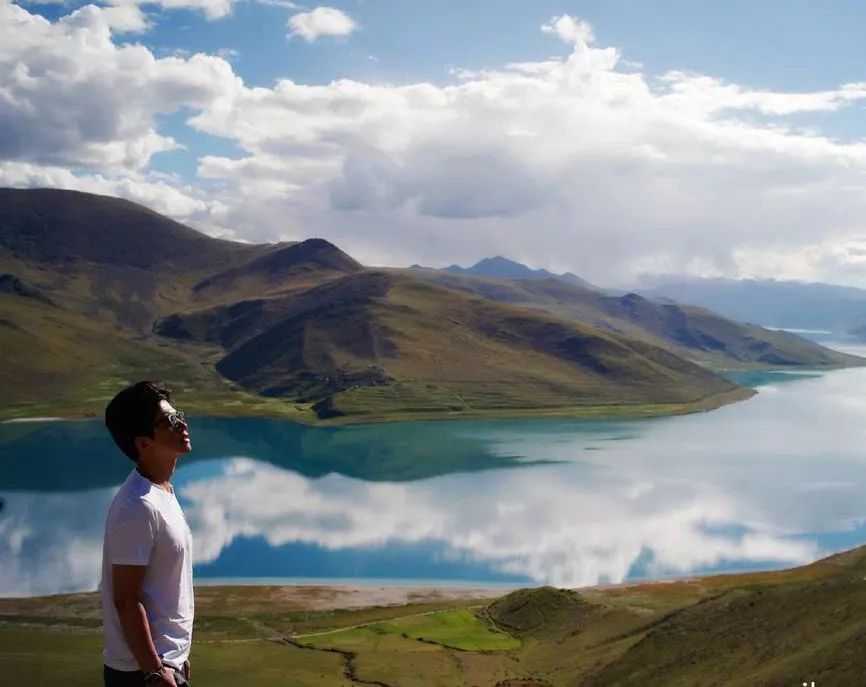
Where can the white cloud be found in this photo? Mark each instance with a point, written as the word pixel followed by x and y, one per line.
pixel 126 18
pixel 280 3
pixel 228 54
pixel 165 195
pixel 569 29
pixel 212 9
pixel 70 96
pixel 612 173
pixel 568 163
pixel 321 21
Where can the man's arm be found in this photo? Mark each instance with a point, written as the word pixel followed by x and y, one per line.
pixel 127 581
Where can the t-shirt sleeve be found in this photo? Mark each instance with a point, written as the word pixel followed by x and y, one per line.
pixel 131 534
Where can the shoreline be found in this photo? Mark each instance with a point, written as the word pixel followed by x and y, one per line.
pixel 357 593
pixel 596 412
pixel 22 420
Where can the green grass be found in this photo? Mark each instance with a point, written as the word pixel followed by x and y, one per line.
pixel 778 628
pixel 457 629
pixel 404 403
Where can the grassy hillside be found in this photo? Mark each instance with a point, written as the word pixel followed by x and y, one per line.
pixel 693 332
pixel 56 226
pixel 371 341
pixel 781 628
pixel 97 292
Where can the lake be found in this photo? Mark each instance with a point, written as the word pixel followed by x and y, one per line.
pixel 774 481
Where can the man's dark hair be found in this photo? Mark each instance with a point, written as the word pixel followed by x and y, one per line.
pixel 131 414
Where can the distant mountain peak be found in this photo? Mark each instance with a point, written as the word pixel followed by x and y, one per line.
pixel 501 267
pixel 499 259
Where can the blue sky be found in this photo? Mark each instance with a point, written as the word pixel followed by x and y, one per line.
pixel 734 129
pixel 795 45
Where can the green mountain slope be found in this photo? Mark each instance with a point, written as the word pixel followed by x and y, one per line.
pixel 107 259
pixel 96 292
pixel 371 340
pixel 688 330
pixel 64 227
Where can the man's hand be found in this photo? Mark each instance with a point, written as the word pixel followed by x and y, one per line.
pixel 167 679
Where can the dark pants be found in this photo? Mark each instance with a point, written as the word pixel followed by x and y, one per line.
pixel 135 678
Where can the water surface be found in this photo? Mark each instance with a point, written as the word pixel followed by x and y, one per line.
pixel 773 481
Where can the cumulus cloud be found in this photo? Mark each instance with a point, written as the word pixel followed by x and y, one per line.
pixel 322 21
pixel 125 18
pixel 571 163
pixel 212 9
pixel 570 29
pixel 649 175
pixel 70 96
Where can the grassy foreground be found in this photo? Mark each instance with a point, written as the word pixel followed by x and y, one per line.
pixel 780 628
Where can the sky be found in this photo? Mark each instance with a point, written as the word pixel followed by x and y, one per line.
pixel 612 139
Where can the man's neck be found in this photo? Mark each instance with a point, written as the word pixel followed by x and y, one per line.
pixel 158 474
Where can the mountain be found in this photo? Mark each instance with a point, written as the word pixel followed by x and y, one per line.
pixel 788 304
pixel 372 343
pixel 107 259
pixel 503 268
pixel 66 227
pixel 690 331
pixel 98 292
pixel 283 266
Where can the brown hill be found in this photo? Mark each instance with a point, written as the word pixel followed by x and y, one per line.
pixel 363 342
pixel 139 295
pixel 688 330
pixel 68 227
pixel 108 259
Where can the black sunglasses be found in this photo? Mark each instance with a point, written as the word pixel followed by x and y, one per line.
pixel 174 419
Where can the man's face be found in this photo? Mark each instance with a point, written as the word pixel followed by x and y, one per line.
pixel 175 440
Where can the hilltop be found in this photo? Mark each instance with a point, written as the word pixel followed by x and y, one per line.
pixel 504 268
pixel 99 291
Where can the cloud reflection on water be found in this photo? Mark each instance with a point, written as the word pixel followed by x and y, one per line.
pixel 774 479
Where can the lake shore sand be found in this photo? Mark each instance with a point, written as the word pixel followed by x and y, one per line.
pixel 333 597
pixel 287 597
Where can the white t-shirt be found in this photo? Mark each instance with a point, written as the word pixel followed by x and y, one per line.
pixel 146 526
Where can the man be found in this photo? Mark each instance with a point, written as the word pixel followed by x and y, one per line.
pixel 147 593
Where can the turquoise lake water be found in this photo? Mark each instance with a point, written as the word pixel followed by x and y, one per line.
pixel 774 481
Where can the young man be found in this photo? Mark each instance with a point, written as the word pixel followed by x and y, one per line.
pixel 147 594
